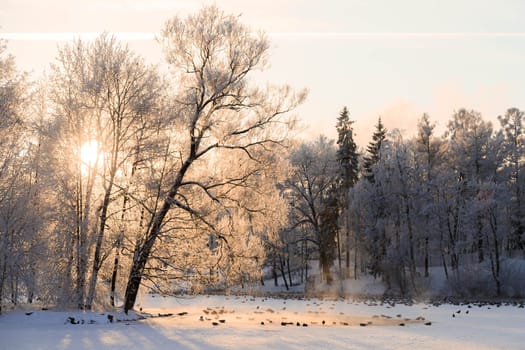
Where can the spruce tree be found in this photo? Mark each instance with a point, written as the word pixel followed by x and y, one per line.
pixel 374 151
pixel 346 154
pixel 348 175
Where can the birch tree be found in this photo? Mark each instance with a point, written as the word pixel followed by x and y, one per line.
pixel 469 147
pixel 14 196
pixel 105 97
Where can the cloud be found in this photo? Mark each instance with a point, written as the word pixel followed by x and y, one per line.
pixel 64 36
pixel 490 100
pixel 399 114
pixel 401 35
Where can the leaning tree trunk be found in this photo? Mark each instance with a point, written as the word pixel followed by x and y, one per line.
pixel 140 258
pixel 142 252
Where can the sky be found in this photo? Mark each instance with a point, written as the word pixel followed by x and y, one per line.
pixel 380 58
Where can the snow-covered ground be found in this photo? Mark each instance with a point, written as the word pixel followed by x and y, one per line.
pixel 264 323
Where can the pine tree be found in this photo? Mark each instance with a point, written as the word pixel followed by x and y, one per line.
pixel 374 151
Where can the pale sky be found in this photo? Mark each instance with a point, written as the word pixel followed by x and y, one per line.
pixel 390 58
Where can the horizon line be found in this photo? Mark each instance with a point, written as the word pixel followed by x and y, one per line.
pixel 136 36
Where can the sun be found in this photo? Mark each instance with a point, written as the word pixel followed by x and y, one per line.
pixel 89 154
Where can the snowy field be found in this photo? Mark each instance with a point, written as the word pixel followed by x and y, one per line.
pixel 220 322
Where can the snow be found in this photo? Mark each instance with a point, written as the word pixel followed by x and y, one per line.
pixel 474 327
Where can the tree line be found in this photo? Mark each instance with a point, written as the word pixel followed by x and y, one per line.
pixel 403 209
pixel 114 176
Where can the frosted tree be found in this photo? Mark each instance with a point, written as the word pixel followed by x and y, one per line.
pixel 349 168
pixel 512 125
pixel 391 215
pixel 374 151
pixel 218 111
pixel 428 150
pixel 328 229
pixel 226 245
pixel 376 200
pixel 347 150
pixel 15 182
pixel 104 97
pixel 74 126
pixel 130 95
pixel 469 147
pixel 310 192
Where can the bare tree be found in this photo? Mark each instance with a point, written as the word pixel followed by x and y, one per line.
pixel 309 190
pixel 14 196
pixel 513 130
pixel 130 93
pixel 105 97
pixel 212 55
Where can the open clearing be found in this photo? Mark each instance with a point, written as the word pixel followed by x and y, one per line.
pixel 226 322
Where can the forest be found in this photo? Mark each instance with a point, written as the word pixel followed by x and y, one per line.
pixel 116 176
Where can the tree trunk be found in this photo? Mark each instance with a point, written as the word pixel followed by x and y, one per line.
pixel 441 245
pixel 67 281
pixel 135 278
pixel 411 246
pixel 306 263
pixel 83 211
pixel 289 270
pixel 14 288
pixel 339 255
pixel 356 247
pixel 301 269
pixel 355 257
pixel 444 261
pixel 114 274
pixel 274 270
pixel 97 259
pixel 481 256
pixel 452 233
pixel 426 257
pixel 495 260
pixel 80 248
pixel 142 252
pixel 347 258
pixel 283 274
pixel 141 256
pixel 325 267
pixel 2 282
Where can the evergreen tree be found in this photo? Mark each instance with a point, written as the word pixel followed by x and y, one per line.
pixel 374 151
pixel 348 176
pixel 346 154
